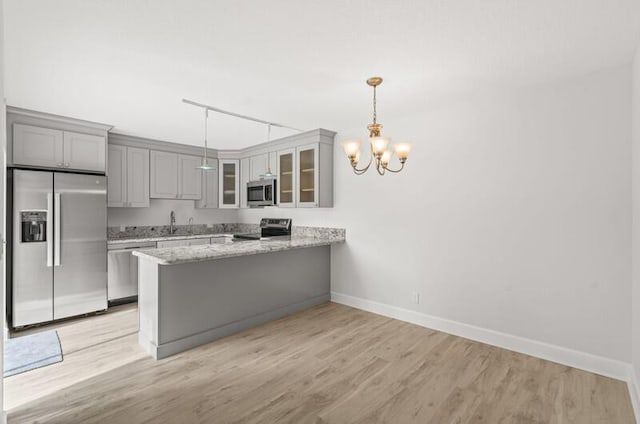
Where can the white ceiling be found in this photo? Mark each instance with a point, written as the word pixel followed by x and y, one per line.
pixel 303 63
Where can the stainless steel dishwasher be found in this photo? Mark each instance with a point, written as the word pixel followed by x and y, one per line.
pixel 122 272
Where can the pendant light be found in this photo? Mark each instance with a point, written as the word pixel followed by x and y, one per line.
pixel 268 175
pixel 205 162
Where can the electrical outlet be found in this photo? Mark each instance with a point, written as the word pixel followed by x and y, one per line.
pixel 415 297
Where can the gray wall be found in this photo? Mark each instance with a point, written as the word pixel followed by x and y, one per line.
pixel 635 298
pixel 513 214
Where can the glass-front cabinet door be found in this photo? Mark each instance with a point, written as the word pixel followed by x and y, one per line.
pixel 286 178
pixel 229 181
pixel 307 172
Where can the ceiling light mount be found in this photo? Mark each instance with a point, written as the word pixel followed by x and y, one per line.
pixel 374 81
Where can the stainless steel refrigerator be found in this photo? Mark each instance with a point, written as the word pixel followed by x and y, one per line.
pixel 57 229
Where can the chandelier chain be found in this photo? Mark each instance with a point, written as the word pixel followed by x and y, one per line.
pixel 374 105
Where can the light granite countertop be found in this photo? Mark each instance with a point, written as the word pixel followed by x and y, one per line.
pixel 186 254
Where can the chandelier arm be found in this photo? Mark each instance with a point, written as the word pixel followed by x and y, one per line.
pixel 359 172
pixel 366 168
pixel 396 170
pixel 380 168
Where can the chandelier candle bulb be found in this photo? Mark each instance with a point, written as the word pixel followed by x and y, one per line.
pixel 385 158
pixel 402 150
pixel 379 145
pixel 351 148
pixel 357 157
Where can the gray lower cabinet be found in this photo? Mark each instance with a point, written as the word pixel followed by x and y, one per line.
pixel 51 148
pixel 209 199
pixel 128 177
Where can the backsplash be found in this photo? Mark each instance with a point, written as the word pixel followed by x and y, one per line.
pixel 146 231
pixel 150 231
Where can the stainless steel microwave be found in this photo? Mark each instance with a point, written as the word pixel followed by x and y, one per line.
pixel 261 193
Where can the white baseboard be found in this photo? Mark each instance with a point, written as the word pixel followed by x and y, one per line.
pixel 573 358
pixel 634 392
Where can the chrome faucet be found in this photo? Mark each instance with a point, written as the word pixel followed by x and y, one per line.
pixel 172 219
pixel 190 225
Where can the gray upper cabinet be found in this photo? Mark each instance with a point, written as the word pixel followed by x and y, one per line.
pixel 209 198
pixel 164 175
pixel 245 177
pixel 128 182
pixel 273 163
pixel 261 164
pixel 174 176
pixel 42 140
pixel 286 183
pixel 258 166
pixel 50 148
pixel 190 178
pixel 84 151
pixel 229 183
pixel 137 177
pixel 37 146
pixel 307 175
pixel 314 166
pixel 117 176
pixel 301 163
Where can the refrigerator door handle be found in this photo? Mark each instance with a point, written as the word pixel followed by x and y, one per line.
pixel 49 229
pixel 56 235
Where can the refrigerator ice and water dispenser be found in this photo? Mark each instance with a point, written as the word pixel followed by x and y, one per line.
pixel 34 226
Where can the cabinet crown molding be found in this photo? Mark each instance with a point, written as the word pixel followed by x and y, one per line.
pixel 57 118
pixel 159 145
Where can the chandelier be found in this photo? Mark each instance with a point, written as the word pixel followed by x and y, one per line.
pixel 378 144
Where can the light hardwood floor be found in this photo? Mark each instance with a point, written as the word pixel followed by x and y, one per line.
pixel 329 364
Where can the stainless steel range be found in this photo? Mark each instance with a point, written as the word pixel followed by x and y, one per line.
pixel 269 228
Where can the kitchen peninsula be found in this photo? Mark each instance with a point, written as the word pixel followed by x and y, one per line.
pixel 191 295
